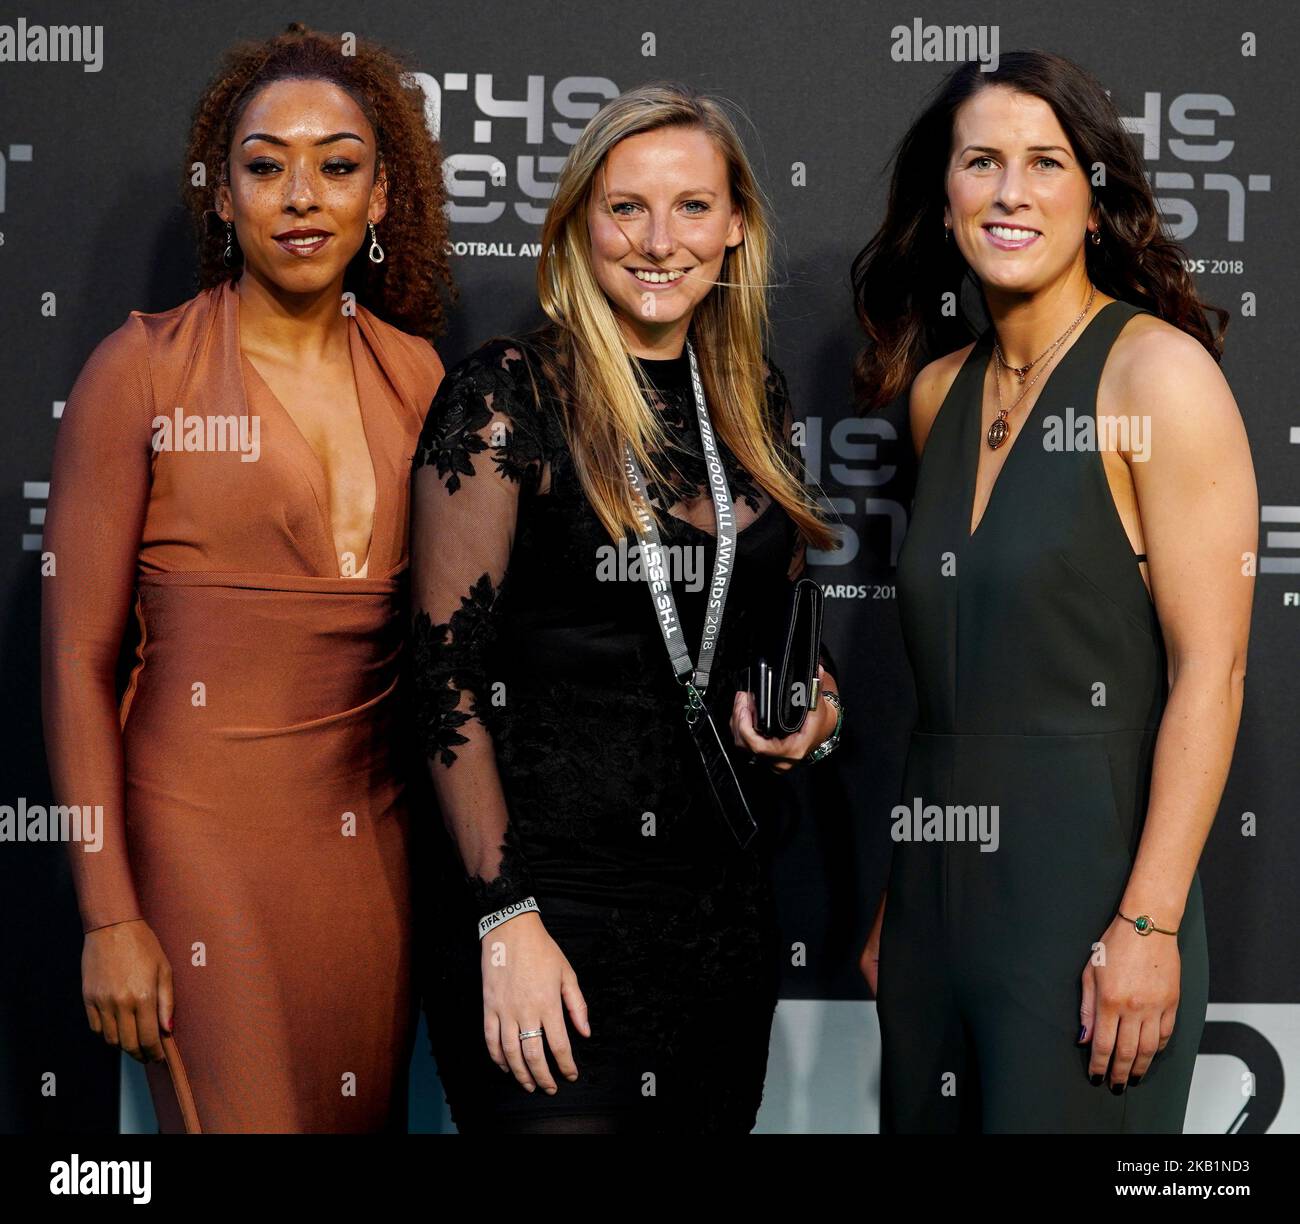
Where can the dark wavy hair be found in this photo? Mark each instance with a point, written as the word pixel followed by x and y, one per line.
pixel 404 290
pixel 900 276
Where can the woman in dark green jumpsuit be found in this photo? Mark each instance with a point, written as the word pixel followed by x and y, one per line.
pixel 1041 664
pixel 1010 642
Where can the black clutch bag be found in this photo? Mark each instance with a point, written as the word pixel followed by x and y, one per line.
pixel 783 676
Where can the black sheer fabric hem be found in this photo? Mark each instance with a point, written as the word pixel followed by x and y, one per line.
pixel 512 882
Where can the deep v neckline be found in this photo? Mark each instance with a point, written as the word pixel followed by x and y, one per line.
pixel 973 437
pixel 315 468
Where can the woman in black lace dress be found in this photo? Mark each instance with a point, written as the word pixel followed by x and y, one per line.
pixel 628 970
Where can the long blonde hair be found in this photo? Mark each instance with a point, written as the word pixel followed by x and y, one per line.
pixel 729 327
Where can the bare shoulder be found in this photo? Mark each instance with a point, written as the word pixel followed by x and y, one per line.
pixel 929 389
pixel 1157 370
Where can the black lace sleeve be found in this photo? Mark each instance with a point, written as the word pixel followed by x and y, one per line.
pixel 778 398
pixel 478 455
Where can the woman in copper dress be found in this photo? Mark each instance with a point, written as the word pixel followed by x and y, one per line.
pixel 231 476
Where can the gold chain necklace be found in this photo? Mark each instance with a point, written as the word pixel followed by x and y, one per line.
pixel 1000 429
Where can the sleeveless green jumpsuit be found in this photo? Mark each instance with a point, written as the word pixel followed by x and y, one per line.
pixel 1040 675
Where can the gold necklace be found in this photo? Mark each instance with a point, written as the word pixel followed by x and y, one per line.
pixel 1000 428
pixel 1019 371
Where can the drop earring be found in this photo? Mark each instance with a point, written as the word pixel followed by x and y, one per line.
pixel 376 251
pixel 227 256
pixel 1096 237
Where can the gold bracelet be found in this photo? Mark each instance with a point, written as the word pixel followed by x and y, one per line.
pixel 1144 926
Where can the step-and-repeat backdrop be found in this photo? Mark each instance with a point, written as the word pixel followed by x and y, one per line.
pixel 91 227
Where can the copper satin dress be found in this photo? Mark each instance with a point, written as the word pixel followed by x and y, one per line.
pixel 251 777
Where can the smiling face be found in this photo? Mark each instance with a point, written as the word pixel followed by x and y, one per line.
pixel 1018 200
pixel 301 184
pixel 660 218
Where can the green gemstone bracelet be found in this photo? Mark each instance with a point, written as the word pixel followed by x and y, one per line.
pixel 1144 926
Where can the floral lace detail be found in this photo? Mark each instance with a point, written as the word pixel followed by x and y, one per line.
pixel 553 744
pixel 452 437
pixel 447 660
pixel 436 713
pixel 480 426
pixel 513 881
pixel 683 462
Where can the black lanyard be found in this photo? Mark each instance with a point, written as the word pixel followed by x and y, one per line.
pixel 660 584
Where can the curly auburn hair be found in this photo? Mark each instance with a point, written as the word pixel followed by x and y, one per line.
pixel 901 276
pixel 404 290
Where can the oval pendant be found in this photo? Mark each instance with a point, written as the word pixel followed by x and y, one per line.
pixel 998 433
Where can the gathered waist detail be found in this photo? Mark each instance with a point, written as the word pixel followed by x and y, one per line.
pixel 249 654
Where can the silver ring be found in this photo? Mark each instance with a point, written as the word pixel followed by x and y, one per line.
pixel 530 1033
